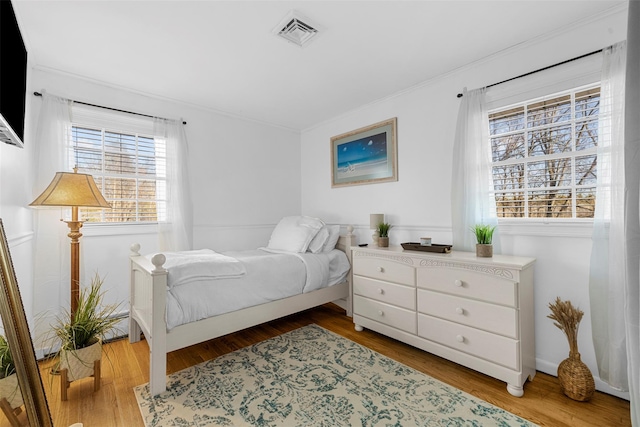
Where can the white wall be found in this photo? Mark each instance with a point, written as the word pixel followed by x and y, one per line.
pixel 419 203
pixel 15 193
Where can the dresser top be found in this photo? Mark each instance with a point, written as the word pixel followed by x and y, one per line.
pixel 505 261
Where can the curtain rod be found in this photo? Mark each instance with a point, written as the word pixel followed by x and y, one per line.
pixel 109 108
pixel 541 69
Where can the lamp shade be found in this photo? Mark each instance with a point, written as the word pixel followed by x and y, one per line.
pixel 375 219
pixel 72 189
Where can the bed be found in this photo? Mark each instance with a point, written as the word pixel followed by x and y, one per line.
pixel 152 296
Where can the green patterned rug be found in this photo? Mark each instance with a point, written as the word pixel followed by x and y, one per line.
pixel 312 377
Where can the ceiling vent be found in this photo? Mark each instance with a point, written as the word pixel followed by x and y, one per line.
pixel 296 29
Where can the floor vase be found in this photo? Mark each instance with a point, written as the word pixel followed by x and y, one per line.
pixel 576 378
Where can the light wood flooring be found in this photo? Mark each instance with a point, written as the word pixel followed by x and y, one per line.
pixel 115 404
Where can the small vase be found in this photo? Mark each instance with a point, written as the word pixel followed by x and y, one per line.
pixel 484 251
pixel 575 378
pixel 383 242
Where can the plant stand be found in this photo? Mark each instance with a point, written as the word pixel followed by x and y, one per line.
pixel 16 416
pixel 11 401
pixel 65 383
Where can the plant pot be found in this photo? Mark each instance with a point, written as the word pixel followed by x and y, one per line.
pixel 575 378
pixel 484 251
pixel 383 242
pixel 79 363
pixel 10 390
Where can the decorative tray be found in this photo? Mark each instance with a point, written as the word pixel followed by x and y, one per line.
pixel 441 249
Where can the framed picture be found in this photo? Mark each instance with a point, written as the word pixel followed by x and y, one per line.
pixel 367 155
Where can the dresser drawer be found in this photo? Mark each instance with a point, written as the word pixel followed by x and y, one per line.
pixel 495 348
pixel 477 314
pixel 390 293
pixel 469 284
pixel 384 269
pixel 384 313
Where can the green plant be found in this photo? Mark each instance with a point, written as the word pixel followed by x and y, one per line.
pixel 92 321
pixel 383 229
pixel 7 366
pixel 484 233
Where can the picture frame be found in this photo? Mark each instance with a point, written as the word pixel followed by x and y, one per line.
pixel 368 155
pixel 16 328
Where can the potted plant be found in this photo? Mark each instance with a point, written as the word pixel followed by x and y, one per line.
pixel 82 334
pixel 9 388
pixel 383 232
pixel 484 239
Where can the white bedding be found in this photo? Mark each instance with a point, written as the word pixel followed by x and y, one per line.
pixel 266 276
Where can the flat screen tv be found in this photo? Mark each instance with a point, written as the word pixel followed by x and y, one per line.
pixel 13 77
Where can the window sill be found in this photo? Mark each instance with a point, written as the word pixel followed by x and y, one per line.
pixel 102 229
pixel 556 228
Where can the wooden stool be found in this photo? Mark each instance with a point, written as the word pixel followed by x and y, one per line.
pixel 17 417
pixel 65 383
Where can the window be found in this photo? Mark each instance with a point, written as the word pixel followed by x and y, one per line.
pixel 544 161
pixel 128 167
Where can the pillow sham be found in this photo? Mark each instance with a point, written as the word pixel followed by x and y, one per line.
pixel 318 242
pixel 334 235
pixel 294 233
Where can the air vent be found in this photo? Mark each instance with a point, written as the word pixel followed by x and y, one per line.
pixel 296 29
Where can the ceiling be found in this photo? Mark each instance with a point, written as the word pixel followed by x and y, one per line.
pixel 223 55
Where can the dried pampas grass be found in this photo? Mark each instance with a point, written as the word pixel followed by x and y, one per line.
pixel 567 318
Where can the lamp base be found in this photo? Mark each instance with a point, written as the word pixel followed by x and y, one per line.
pixel 375 238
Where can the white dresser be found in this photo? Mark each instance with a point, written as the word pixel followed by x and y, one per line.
pixel 477 312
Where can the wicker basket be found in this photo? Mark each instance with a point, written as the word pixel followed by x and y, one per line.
pixel 575 378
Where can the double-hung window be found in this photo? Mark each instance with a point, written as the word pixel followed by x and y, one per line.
pixel 544 162
pixel 127 163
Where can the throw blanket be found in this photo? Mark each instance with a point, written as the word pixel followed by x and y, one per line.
pixel 190 266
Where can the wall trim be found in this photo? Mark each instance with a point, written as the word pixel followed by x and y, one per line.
pixel 19 239
pixel 234 227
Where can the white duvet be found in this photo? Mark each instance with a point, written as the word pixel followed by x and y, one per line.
pixel 251 278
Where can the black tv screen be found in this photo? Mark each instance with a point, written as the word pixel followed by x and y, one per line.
pixel 13 77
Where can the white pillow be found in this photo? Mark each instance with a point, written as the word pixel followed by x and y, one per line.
pixel 294 233
pixel 334 235
pixel 317 243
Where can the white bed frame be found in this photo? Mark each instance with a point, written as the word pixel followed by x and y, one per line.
pixel 148 305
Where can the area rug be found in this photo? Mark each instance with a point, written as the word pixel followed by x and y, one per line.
pixel 312 377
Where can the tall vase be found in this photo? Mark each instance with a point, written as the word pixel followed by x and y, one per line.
pixel 575 378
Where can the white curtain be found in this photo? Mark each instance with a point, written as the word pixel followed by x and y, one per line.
pixel 607 268
pixel 614 283
pixel 472 200
pixel 176 230
pixel 51 244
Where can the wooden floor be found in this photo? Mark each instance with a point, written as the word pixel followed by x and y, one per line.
pixel 115 404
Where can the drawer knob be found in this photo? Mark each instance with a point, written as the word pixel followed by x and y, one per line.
pixel 459 338
pixel 458 282
pixel 460 310
pixel 381 291
pixel 380 269
pixel 380 313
